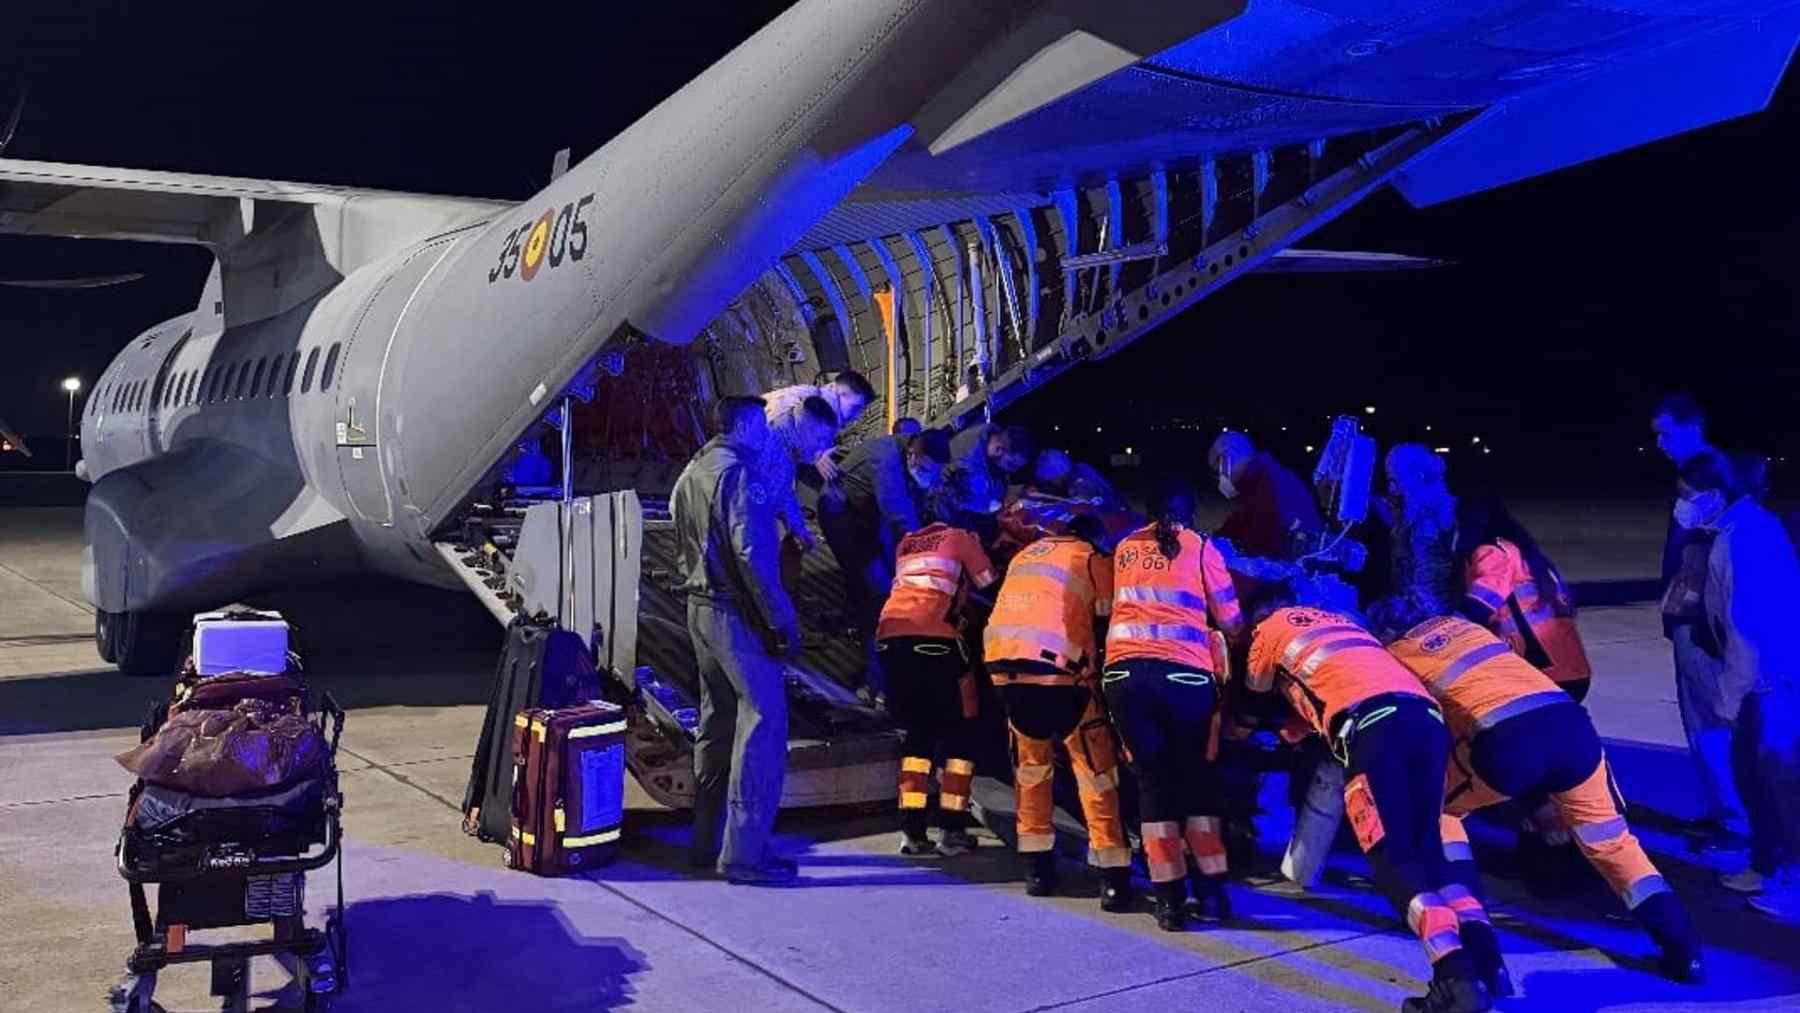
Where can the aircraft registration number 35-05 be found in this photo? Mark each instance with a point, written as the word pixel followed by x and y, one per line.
pixel 548 240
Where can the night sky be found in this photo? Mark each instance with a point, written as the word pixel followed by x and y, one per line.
pixel 1575 299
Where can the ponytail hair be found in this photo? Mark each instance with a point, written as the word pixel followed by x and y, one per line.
pixel 1172 504
pixel 1168 541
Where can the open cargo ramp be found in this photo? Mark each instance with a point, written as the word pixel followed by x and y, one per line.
pixel 606 565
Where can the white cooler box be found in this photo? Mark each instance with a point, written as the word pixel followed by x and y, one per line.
pixel 240 642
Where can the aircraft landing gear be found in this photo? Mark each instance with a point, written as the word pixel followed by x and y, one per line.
pixel 139 643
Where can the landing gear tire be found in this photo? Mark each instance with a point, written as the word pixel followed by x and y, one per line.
pixel 140 643
pixel 106 641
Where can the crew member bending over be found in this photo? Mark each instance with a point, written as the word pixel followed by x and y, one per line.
pixel 1171 599
pixel 1515 591
pixel 1386 730
pixel 931 687
pixel 1040 650
pixel 1519 736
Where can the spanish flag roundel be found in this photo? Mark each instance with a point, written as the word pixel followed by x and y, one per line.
pixel 537 243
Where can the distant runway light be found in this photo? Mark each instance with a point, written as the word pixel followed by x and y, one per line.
pixel 1441 450
pixel 1309 448
pixel 1476 440
pixel 1128 450
pixel 1487 450
pixel 1097 429
pixel 1368 409
pixel 1428 429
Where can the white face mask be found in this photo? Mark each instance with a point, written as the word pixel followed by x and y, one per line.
pixel 1701 510
pixel 1227 488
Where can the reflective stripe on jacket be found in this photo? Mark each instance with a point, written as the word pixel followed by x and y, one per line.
pixel 1166 609
pixel 1498 581
pixel 935 566
pixel 1477 679
pixel 1324 663
pixel 1054 590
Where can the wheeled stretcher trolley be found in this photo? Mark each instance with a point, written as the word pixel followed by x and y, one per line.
pixel 218 862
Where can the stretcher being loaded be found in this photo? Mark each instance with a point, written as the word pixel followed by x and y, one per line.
pixel 237 800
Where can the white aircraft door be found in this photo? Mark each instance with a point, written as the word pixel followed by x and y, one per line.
pixel 364 458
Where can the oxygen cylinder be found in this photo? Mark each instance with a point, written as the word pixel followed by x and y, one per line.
pixel 1315 825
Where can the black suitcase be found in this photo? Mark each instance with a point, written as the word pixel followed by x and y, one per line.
pixel 540 666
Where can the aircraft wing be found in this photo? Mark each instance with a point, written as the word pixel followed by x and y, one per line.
pixel 92 202
pixel 64 284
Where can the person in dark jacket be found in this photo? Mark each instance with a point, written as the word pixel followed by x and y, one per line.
pixel 1680 429
pixel 1270 506
pixel 991 454
pixel 743 625
pixel 878 495
pixel 1269 503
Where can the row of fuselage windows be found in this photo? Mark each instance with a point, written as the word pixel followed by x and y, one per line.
pixel 233 381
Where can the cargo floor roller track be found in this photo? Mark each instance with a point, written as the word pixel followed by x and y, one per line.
pixel 839 751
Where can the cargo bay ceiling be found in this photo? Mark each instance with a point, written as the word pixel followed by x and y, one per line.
pixel 1072 230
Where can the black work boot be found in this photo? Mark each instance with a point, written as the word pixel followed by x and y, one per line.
pixel 1450 995
pixel 1116 894
pixel 1667 921
pixel 1169 905
pixel 1040 873
pixel 1208 891
pixel 1483 947
pixel 1455 987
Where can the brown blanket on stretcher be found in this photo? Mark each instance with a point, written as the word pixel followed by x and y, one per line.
pixel 251 746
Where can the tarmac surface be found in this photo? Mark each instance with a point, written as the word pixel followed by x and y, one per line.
pixel 436 923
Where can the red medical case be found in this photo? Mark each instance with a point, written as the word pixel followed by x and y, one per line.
pixel 568 787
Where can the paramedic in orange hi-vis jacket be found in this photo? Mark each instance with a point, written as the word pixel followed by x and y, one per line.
pixel 1386 730
pixel 1041 649
pixel 1515 591
pixel 931 685
pixel 1174 609
pixel 1519 736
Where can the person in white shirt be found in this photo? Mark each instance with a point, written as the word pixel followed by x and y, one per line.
pixel 1752 585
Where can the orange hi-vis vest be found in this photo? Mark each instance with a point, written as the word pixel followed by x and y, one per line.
pixel 934 568
pixel 1477 679
pixel 1044 614
pixel 1498 579
pixel 1162 606
pixel 1325 664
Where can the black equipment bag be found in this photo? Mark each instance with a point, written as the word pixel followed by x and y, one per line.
pixel 543 666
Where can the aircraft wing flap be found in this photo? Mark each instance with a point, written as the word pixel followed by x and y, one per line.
pixel 84 201
pixel 40 209
pixel 64 175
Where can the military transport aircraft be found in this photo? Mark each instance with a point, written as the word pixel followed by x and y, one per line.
pixel 960 198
